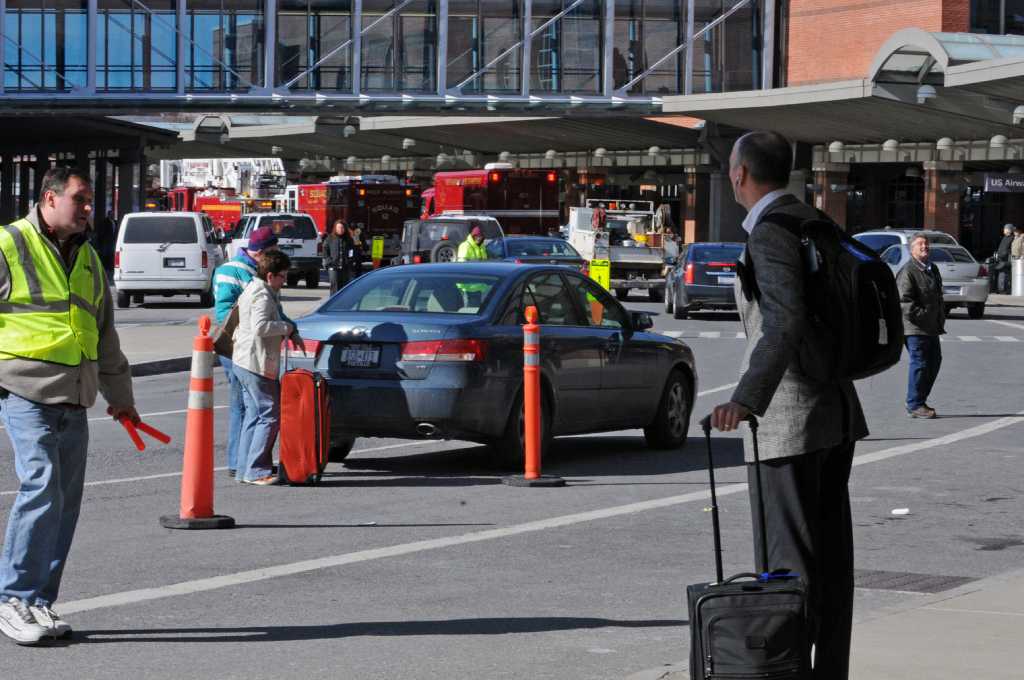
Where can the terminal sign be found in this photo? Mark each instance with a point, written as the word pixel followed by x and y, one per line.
pixel 1004 183
pixel 601 271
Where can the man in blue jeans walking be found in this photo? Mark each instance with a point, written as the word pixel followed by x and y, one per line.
pixel 924 320
pixel 58 347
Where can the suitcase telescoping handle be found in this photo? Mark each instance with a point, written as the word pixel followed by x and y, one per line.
pixel 705 424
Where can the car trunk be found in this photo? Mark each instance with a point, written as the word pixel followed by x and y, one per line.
pixel 161 247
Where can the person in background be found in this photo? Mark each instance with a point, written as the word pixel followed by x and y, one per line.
pixel 358 254
pixel 924 320
pixel 472 249
pixel 1003 260
pixel 257 362
pixel 1017 247
pixel 229 281
pixel 337 246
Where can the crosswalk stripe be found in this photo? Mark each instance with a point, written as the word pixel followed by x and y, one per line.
pixel 970 338
pixel 710 334
pixel 740 335
pixel 1007 338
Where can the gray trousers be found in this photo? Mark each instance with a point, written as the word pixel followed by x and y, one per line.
pixel 810 531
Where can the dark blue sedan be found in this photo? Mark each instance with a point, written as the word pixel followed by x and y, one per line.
pixel 435 351
pixel 536 250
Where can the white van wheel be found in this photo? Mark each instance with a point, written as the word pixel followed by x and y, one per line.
pixel 123 299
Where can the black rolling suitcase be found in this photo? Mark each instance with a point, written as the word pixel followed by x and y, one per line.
pixel 749 625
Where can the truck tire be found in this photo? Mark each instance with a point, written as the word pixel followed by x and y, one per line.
pixel 656 294
pixel 443 252
pixel 313 280
pixel 339 449
pixel 622 293
pixel 671 423
pixel 123 299
pixel 206 298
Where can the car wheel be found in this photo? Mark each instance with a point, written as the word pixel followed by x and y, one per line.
pixel 510 449
pixel 975 310
pixel 313 280
pixel 339 449
pixel 443 252
pixel 123 299
pixel 670 299
pixel 656 294
pixel 622 293
pixel 679 311
pixel 206 298
pixel 292 281
pixel 672 422
pixel 948 308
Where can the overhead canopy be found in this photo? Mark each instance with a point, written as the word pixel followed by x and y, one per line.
pixel 921 86
pixel 20 134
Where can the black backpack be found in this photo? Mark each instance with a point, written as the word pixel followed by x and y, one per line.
pixel 851 294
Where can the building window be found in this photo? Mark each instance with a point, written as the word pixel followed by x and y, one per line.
pixel 726 58
pixel 645 31
pixel 306 33
pixel 566 55
pixel 45 43
pixel 997 16
pixel 136 48
pixel 225 51
pixel 400 52
pixel 478 32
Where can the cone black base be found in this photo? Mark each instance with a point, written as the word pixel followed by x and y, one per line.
pixel 212 522
pixel 543 480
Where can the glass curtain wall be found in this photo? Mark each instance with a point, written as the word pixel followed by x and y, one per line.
pixel 997 16
pixel 307 31
pixel 399 53
pixel 566 56
pixel 226 48
pixel 45 43
pixel 645 31
pixel 726 58
pixel 479 31
pixel 136 48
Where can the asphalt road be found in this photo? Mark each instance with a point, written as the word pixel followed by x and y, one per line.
pixel 412 560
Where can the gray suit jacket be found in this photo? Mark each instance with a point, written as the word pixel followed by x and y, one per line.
pixel 797 413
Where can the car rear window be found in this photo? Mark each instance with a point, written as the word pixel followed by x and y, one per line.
pixel 160 229
pixel 705 254
pixel 529 247
pixel 958 254
pixel 877 242
pixel 941 239
pixel 300 227
pixel 411 292
pixel 449 230
pixel 940 255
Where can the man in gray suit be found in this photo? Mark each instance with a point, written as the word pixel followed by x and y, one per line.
pixel 808 425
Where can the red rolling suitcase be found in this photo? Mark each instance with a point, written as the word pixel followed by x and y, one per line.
pixel 305 427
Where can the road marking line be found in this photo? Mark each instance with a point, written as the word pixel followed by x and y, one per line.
pixel 672 334
pixel 1007 323
pixel 108 419
pixel 969 338
pixel 332 561
pixel 1007 338
pixel 740 335
pixel 717 389
pixel 710 334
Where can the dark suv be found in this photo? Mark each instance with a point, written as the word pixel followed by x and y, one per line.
pixel 702 278
pixel 437 239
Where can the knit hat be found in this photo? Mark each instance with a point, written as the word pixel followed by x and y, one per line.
pixel 261 239
pixel 476 231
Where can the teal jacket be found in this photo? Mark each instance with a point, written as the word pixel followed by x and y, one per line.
pixel 229 280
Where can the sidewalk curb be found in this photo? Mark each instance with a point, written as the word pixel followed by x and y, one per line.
pixel 164 366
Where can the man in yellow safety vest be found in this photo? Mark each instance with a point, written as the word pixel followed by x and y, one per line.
pixel 473 247
pixel 58 347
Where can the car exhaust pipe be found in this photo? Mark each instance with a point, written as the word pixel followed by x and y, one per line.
pixel 427 430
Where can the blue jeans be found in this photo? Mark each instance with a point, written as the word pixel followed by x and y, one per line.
pixel 235 409
pixel 50 445
pixel 260 424
pixel 925 358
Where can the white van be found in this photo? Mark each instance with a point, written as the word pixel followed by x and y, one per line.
pixel 166 253
pixel 297 237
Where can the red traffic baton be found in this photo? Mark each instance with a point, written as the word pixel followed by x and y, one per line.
pixel 133 432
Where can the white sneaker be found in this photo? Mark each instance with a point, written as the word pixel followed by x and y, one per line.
pixel 49 619
pixel 18 623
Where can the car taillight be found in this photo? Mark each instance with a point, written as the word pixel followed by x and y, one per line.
pixel 552 177
pixel 206 259
pixel 518 261
pixel 117 259
pixel 417 259
pixel 311 347
pixel 689 273
pixel 495 176
pixel 982 271
pixel 444 350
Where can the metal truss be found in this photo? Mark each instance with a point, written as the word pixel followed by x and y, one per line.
pixel 266 94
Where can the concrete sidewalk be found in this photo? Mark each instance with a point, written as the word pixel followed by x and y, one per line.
pixel 155 348
pixel 973 631
pixel 995 300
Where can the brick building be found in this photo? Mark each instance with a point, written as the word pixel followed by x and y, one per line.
pixel 904 113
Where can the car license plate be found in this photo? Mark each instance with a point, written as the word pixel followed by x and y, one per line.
pixel 177 262
pixel 951 290
pixel 288 246
pixel 726 279
pixel 360 356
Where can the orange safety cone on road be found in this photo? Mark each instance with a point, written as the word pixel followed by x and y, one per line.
pixel 531 409
pixel 197 472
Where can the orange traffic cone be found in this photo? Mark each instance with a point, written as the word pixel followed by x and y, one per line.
pixel 197 471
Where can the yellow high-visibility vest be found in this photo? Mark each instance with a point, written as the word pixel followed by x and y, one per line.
pixel 50 315
pixel 470 251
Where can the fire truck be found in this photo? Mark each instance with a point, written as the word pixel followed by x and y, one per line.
pixel 524 201
pixel 222 205
pixel 378 205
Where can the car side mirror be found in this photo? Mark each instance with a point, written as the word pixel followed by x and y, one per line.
pixel 641 321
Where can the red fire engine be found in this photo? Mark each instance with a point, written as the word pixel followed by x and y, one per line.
pixel 524 201
pixel 376 204
pixel 223 206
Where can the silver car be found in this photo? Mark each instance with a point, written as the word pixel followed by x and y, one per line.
pixel 964 279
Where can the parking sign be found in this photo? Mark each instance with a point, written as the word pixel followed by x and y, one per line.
pixel 601 271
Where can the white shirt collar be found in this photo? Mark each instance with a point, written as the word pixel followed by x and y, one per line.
pixel 754 216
